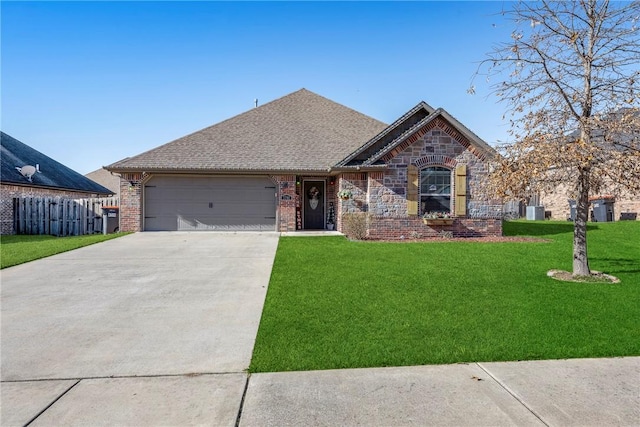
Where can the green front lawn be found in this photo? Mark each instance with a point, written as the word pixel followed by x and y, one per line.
pixel 16 250
pixel 334 303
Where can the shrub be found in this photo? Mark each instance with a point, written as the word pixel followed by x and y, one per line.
pixel 355 225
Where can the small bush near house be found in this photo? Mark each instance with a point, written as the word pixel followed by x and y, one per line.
pixel 16 250
pixel 355 225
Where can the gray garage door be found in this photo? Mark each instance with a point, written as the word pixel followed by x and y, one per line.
pixel 206 203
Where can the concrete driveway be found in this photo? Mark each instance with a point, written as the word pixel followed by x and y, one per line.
pixel 176 305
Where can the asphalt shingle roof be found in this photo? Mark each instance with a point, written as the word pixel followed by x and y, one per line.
pixel 302 131
pixel 106 179
pixel 53 174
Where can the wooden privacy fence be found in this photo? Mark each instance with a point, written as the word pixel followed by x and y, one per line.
pixel 58 216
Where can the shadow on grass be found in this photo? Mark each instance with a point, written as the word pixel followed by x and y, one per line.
pixel 539 228
pixel 618 265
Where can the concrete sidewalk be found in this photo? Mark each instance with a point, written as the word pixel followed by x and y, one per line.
pixel 577 392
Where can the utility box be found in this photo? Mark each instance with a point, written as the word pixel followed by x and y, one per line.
pixel 535 213
pixel 514 209
pixel 602 210
pixel 573 207
pixel 110 219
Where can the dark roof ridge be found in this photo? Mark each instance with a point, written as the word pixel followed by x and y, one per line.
pixel 474 139
pixel 421 105
pixel 401 137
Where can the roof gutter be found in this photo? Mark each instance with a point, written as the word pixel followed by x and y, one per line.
pixel 326 171
pixel 49 187
pixel 363 168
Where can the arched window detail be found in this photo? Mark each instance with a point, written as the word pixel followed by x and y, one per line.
pixel 435 189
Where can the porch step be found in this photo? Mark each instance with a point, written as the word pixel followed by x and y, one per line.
pixel 310 233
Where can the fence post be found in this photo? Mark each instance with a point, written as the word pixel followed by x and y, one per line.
pixel 39 215
pixel 16 215
pixel 64 226
pixel 55 217
pixel 45 215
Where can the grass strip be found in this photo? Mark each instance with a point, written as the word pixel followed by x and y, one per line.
pixel 334 303
pixel 16 249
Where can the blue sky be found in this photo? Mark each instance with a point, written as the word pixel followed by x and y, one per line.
pixel 90 83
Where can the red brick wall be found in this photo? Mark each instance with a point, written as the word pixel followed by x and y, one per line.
pixel 286 203
pixel 386 228
pixel 131 201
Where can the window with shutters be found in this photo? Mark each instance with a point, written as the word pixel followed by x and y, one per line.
pixel 435 190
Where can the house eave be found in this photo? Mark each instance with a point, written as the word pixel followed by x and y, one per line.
pixel 328 171
pixel 222 171
pixel 360 168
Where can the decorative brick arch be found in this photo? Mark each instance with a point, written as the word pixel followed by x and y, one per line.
pixel 442 124
pixel 436 160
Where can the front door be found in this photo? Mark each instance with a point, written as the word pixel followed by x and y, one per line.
pixel 313 205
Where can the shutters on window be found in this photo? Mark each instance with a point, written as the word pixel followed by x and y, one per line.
pixel 412 190
pixel 461 190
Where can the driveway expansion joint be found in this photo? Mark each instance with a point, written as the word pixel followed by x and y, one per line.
pixel 52 403
pixel 244 394
pixel 108 377
pixel 513 394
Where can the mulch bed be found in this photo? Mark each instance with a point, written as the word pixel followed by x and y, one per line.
pixel 594 277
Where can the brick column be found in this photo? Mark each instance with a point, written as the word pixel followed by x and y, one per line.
pixel 286 202
pixel 131 201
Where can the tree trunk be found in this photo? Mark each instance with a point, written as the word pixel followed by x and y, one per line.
pixel 580 259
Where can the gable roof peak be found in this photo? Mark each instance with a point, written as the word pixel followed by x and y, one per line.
pixel 439 117
pixel 397 133
pixel 426 106
pixel 299 131
pixel 401 125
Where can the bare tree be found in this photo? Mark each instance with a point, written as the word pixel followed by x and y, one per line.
pixel 569 77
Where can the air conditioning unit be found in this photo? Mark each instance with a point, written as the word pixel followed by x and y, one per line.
pixel 535 213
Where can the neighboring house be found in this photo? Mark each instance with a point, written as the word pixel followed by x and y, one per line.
pixel 106 179
pixel 622 204
pixel 557 203
pixel 26 172
pixel 281 167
